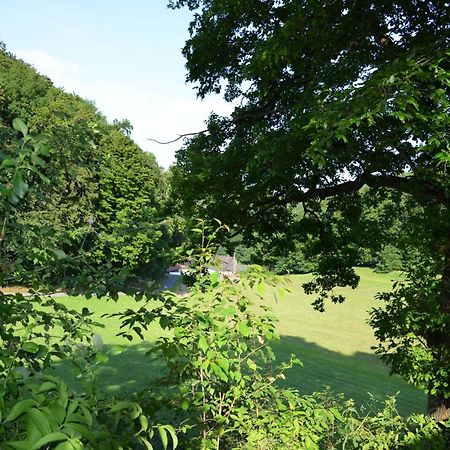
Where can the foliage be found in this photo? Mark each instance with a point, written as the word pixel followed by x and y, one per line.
pixel 106 196
pixel 220 388
pixel 388 260
pixel 130 199
pixel 36 410
pixel 339 105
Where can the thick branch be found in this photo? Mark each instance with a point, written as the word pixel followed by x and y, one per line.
pixel 409 185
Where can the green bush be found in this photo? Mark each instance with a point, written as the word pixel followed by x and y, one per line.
pixel 220 387
pixel 36 331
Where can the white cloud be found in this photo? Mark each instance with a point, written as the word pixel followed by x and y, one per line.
pixel 63 73
pixel 153 111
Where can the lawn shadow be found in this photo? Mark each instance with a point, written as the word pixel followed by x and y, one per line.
pixel 354 375
pixel 129 371
pixel 360 376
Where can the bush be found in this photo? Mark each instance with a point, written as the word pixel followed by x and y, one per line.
pixel 220 387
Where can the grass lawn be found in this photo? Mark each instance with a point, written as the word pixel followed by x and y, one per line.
pixel 334 346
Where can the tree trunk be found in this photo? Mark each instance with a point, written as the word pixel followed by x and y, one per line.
pixel 438 405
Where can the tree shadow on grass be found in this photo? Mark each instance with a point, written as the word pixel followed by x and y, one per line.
pixel 130 371
pixel 360 376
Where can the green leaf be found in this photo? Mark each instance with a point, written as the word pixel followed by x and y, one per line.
pixel 52 437
pixel 19 125
pixel 172 433
pixel 46 386
pixel 243 329
pixel 65 446
pixel 101 358
pixel 37 161
pixel 44 150
pixel 219 372
pixel 19 408
pixel 214 277
pixel 184 404
pixel 20 445
pixel 115 350
pixel 163 434
pixel 59 254
pixel 203 344
pixel 260 288
pixel 76 429
pixel 9 162
pixel 13 199
pixel 41 422
pixel 119 406
pixel 144 422
pixel 20 188
pixel 164 322
pixel 251 364
pixel 226 311
pixel 87 414
pixel 30 347
pixel 337 414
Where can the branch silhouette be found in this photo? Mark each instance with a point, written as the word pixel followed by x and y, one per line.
pixel 180 136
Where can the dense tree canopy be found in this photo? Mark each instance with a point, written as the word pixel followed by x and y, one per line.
pixel 102 197
pixel 334 96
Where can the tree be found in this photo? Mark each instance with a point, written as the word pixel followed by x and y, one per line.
pixel 334 96
pixel 106 195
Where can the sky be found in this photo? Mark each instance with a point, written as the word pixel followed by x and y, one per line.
pixel 125 55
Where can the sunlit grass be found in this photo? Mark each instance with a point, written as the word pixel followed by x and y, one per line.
pixel 335 346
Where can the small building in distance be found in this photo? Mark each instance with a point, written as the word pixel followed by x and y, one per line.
pixel 226 265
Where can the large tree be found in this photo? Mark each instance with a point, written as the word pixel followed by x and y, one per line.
pixel 333 96
pixel 106 196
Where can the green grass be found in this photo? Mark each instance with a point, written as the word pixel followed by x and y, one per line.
pixel 335 346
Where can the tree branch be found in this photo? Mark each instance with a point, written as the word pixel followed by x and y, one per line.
pixel 180 136
pixel 409 185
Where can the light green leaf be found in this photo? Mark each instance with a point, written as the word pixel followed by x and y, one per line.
pixel 337 414
pixel 172 433
pixel 203 344
pixel 163 435
pixel 115 350
pixel 47 385
pixel 64 446
pixel 19 408
pixel 243 329
pixel 101 358
pixel 251 364
pixel 260 288
pixel 19 125
pixel 144 422
pixel 52 437
pixel 184 404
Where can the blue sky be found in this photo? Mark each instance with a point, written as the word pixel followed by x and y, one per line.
pixel 125 55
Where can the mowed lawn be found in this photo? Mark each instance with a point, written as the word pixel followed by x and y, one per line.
pixel 334 346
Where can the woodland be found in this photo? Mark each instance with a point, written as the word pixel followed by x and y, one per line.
pixel 336 158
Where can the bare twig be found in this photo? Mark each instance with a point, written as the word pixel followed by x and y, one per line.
pixel 180 136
